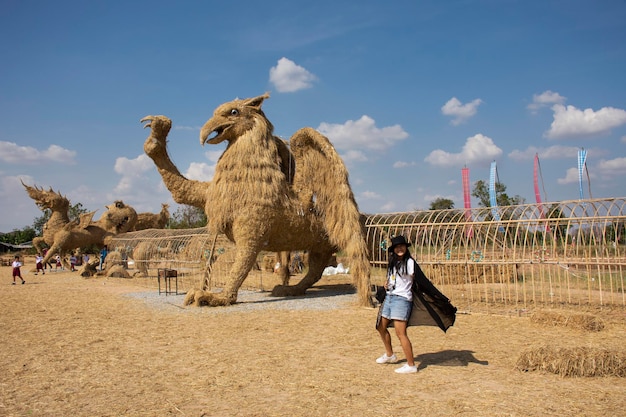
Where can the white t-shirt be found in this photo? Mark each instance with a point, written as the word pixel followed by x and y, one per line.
pixel 401 284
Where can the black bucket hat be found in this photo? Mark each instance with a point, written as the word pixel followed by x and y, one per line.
pixel 398 240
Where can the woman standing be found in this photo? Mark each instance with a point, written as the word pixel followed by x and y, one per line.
pixel 398 303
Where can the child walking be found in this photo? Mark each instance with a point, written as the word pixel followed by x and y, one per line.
pixel 39 264
pixel 73 262
pixel 16 269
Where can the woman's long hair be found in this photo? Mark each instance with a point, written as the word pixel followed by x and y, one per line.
pixel 398 262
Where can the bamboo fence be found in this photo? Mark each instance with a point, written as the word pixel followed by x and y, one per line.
pixel 560 253
pixel 569 252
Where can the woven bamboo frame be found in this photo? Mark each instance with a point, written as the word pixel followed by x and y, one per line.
pixel 569 252
pixel 562 253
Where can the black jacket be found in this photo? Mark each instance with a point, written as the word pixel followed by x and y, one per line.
pixel 430 306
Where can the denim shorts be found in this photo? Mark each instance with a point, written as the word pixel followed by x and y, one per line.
pixel 396 307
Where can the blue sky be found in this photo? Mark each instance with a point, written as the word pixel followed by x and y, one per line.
pixel 409 92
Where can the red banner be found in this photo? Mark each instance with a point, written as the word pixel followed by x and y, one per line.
pixel 466 199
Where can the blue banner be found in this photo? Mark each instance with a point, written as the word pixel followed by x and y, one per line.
pixel 492 192
pixel 582 160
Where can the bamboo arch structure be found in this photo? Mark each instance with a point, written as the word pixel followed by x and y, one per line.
pixel 201 260
pixel 568 252
pixel 560 253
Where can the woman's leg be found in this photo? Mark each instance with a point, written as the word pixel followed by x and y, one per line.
pixel 384 335
pixel 407 347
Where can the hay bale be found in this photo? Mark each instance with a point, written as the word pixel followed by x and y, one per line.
pixel 581 321
pixel 573 362
pixel 117 271
pixel 113 258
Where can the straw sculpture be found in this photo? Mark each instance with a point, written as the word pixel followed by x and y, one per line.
pixel 118 218
pixel 59 207
pixel 153 220
pixel 574 362
pixel 90 268
pixel 268 195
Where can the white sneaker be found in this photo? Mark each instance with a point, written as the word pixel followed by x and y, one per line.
pixel 387 359
pixel 406 369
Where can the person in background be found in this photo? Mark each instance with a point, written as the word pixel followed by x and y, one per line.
pixel 49 264
pixel 39 264
pixel 398 304
pixel 103 255
pixel 16 269
pixel 72 262
pixel 58 263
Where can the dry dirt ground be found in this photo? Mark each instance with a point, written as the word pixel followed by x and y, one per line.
pixel 115 347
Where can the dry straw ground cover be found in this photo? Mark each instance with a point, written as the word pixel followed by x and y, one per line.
pixel 114 347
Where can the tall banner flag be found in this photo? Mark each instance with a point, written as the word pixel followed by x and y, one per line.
pixel 582 160
pixel 536 181
pixel 536 171
pixel 467 200
pixel 493 175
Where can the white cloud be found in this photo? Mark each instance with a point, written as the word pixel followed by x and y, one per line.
pixel 547 98
pixel 623 139
pixel 460 112
pixel 554 152
pixel 133 167
pixel 132 172
pixel 402 164
pixel 571 176
pixel 612 167
pixel 551 152
pixel 572 122
pixel 200 171
pixel 388 207
pixel 353 156
pixel 477 149
pixel 288 77
pixel 362 134
pixel 15 154
pixel 370 195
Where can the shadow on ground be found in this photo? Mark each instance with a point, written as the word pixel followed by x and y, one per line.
pixel 448 358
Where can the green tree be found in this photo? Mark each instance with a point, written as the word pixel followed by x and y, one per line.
pixel 41 221
pixel 73 213
pixel 481 192
pixel 441 204
pixel 188 217
pixel 17 237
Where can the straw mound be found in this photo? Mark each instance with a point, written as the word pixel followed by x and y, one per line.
pixel 117 271
pixel 581 321
pixel 573 362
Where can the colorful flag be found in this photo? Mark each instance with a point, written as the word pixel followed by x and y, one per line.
pixel 536 171
pixel 493 175
pixel 582 160
pixel 467 200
